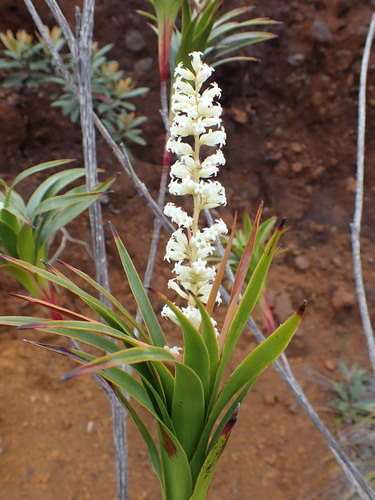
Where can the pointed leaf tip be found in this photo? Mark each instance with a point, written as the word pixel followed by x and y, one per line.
pixel 31 326
pixel 114 230
pixel 63 263
pixel 302 308
pixel 50 267
pixel 282 224
pixel 67 376
pixel 231 422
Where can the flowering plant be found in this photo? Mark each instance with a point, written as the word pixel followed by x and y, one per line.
pixel 185 389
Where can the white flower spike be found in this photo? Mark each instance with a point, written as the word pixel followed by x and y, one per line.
pixel 197 122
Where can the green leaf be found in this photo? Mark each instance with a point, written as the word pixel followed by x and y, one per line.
pixel 249 299
pixel 26 244
pixel 66 200
pixel 51 186
pixel 231 14
pixel 11 219
pixel 188 408
pixel 59 279
pixel 38 168
pixel 128 356
pixel 111 299
pixel 8 239
pixel 206 473
pixel 244 376
pixel 209 338
pixel 23 277
pixel 257 361
pixel 196 354
pixel 177 482
pixel 87 336
pixel 152 449
pixel 136 285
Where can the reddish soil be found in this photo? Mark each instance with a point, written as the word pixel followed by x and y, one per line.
pixel 291 124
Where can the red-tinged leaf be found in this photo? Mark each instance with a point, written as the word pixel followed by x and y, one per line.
pixel 205 475
pixel 128 356
pixel 244 264
pixel 53 307
pixel 64 350
pixel 220 272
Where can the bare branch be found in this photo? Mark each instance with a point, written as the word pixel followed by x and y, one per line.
pixel 119 153
pixel 356 225
pixel 67 237
pixel 81 50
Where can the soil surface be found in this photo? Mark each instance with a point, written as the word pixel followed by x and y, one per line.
pixel 291 122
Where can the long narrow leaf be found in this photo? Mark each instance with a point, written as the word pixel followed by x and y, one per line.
pixel 196 355
pixel 112 300
pixel 205 476
pixel 188 408
pixel 148 314
pixel 38 168
pixel 51 186
pixel 129 356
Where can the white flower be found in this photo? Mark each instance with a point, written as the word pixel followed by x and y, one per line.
pixel 178 147
pixel 202 70
pixel 184 73
pixel 213 138
pixel 197 122
pixel 212 194
pixel 173 350
pixel 177 247
pixel 178 216
pixel 184 167
pixel 211 163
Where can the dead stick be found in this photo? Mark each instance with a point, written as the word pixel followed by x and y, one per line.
pixel 358 208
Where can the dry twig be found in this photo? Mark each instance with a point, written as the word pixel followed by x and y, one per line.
pixel 356 225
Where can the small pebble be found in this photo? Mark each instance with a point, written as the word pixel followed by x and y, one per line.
pixel 321 32
pixel 302 263
pixel 330 365
pixel 297 167
pixel 134 41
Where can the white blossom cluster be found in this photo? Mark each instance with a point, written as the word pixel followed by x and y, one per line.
pixel 197 123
